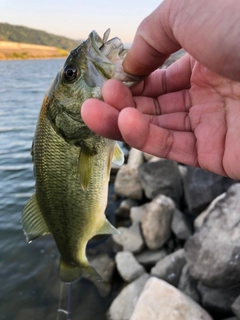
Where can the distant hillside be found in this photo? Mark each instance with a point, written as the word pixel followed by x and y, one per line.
pixel 14 33
pixel 19 50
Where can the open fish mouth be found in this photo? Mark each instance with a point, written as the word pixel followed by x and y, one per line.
pixel 108 56
pixel 108 49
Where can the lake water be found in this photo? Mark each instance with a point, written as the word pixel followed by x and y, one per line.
pixel 29 284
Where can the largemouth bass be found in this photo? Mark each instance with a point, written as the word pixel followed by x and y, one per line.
pixel 71 163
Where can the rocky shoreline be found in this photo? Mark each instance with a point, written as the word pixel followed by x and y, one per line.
pixel 178 254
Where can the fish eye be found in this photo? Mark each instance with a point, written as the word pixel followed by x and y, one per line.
pixel 70 73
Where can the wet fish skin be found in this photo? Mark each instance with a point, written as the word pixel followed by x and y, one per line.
pixel 71 163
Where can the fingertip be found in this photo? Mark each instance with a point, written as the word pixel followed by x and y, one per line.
pixel 101 118
pixel 88 110
pixel 134 127
pixel 116 94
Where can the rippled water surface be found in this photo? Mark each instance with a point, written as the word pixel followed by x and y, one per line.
pixel 29 285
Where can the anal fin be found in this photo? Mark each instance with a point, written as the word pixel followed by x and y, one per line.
pixel 107 228
pixel 32 220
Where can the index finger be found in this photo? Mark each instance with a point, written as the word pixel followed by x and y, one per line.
pixel 175 78
pixel 151 45
pixel 198 27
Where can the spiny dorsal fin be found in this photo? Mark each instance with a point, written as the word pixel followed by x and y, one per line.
pixel 32 220
pixel 85 165
pixel 107 228
pixel 118 155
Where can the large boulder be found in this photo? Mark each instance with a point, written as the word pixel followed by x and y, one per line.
pixel 159 300
pixel 188 285
pixel 213 252
pixel 156 221
pixel 170 267
pixel 218 301
pixel 201 187
pixel 123 305
pixel 236 307
pixel 161 177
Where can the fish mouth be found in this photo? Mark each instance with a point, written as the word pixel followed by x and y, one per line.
pixel 108 55
pixel 109 50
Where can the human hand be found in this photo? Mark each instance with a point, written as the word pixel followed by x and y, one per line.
pixel 186 113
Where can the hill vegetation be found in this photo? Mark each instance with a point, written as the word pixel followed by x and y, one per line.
pixel 14 33
pixel 19 50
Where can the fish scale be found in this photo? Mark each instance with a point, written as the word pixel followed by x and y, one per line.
pixel 60 184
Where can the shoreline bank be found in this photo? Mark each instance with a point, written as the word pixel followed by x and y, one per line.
pixel 25 51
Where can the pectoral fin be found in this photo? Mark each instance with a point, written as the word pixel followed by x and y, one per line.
pixel 85 165
pixel 118 155
pixel 107 228
pixel 33 222
pixel 32 151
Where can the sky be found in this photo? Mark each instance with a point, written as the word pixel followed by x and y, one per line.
pixel 75 19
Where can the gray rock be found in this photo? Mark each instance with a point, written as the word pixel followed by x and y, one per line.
pixel 170 267
pixel 161 177
pixel 136 213
pixel 156 221
pixel 236 307
pixel 188 285
pixel 123 210
pixel 130 238
pixel 127 266
pixel 148 156
pixel 123 305
pixel 159 300
pixel 105 266
pixel 149 258
pixel 198 222
pixel 218 301
pixel 127 182
pixel 135 158
pixel 183 170
pixel 201 187
pixel 213 252
pixel 180 226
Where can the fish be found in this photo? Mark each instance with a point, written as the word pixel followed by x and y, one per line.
pixel 71 163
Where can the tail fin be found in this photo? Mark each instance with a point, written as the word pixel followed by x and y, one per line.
pixel 70 273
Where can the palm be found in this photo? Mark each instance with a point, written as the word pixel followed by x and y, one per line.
pixel 197 122
pixel 186 113
pixel 214 117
